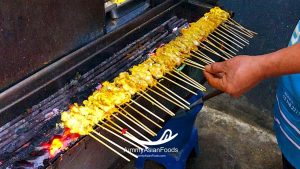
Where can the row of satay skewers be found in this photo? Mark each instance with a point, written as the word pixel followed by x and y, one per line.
pixel 215 33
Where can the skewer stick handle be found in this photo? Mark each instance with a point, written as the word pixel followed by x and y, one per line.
pixel 170 91
pixel 122 138
pixel 214 36
pixel 189 79
pixel 115 144
pixel 127 134
pixel 186 81
pixel 201 59
pixel 142 127
pixel 137 111
pixel 227 54
pixel 192 65
pixel 240 26
pixel 200 53
pixel 144 108
pixel 195 63
pixel 157 105
pixel 106 145
pixel 235 34
pixel 145 93
pixel 231 37
pixel 138 121
pixel 181 86
pixel 237 30
pixel 223 45
pixel 228 39
pixel 131 127
pixel 177 104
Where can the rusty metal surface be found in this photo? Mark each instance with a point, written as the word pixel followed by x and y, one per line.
pixel 34 33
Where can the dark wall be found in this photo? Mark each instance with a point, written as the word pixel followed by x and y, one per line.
pixel 34 33
pixel 274 21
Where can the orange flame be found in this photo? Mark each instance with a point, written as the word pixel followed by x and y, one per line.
pixel 60 142
pixel 56 146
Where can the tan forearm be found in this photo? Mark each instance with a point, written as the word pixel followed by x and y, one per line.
pixel 281 62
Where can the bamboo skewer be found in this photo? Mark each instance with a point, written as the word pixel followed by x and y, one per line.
pixel 147 110
pixel 240 28
pixel 237 30
pixel 226 34
pixel 127 134
pixel 239 25
pixel 157 105
pixel 178 101
pixel 185 81
pixel 214 36
pixel 234 23
pixel 210 50
pixel 200 53
pixel 131 127
pixel 228 39
pixel 189 78
pixel 177 104
pixel 223 45
pixel 122 138
pixel 223 51
pixel 235 34
pixel 201 59
pixel 152 133
pixel 153 122
pixel 170 91
pixel 109 147
pixel 157 102
pixel 138 121
pixel 181 73
pixel 118 126
pixel 115 124
pixel 115 144
pixel 180 85
pixel 197 67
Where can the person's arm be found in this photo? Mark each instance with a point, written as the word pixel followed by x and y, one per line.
pixel 238 75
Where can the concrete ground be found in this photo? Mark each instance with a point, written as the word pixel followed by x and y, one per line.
pixel 229 143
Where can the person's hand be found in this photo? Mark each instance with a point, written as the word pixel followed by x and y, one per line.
pixel 235 76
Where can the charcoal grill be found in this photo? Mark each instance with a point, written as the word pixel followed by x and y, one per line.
pixel 30 109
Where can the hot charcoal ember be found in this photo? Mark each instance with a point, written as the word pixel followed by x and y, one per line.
pixel 21 139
